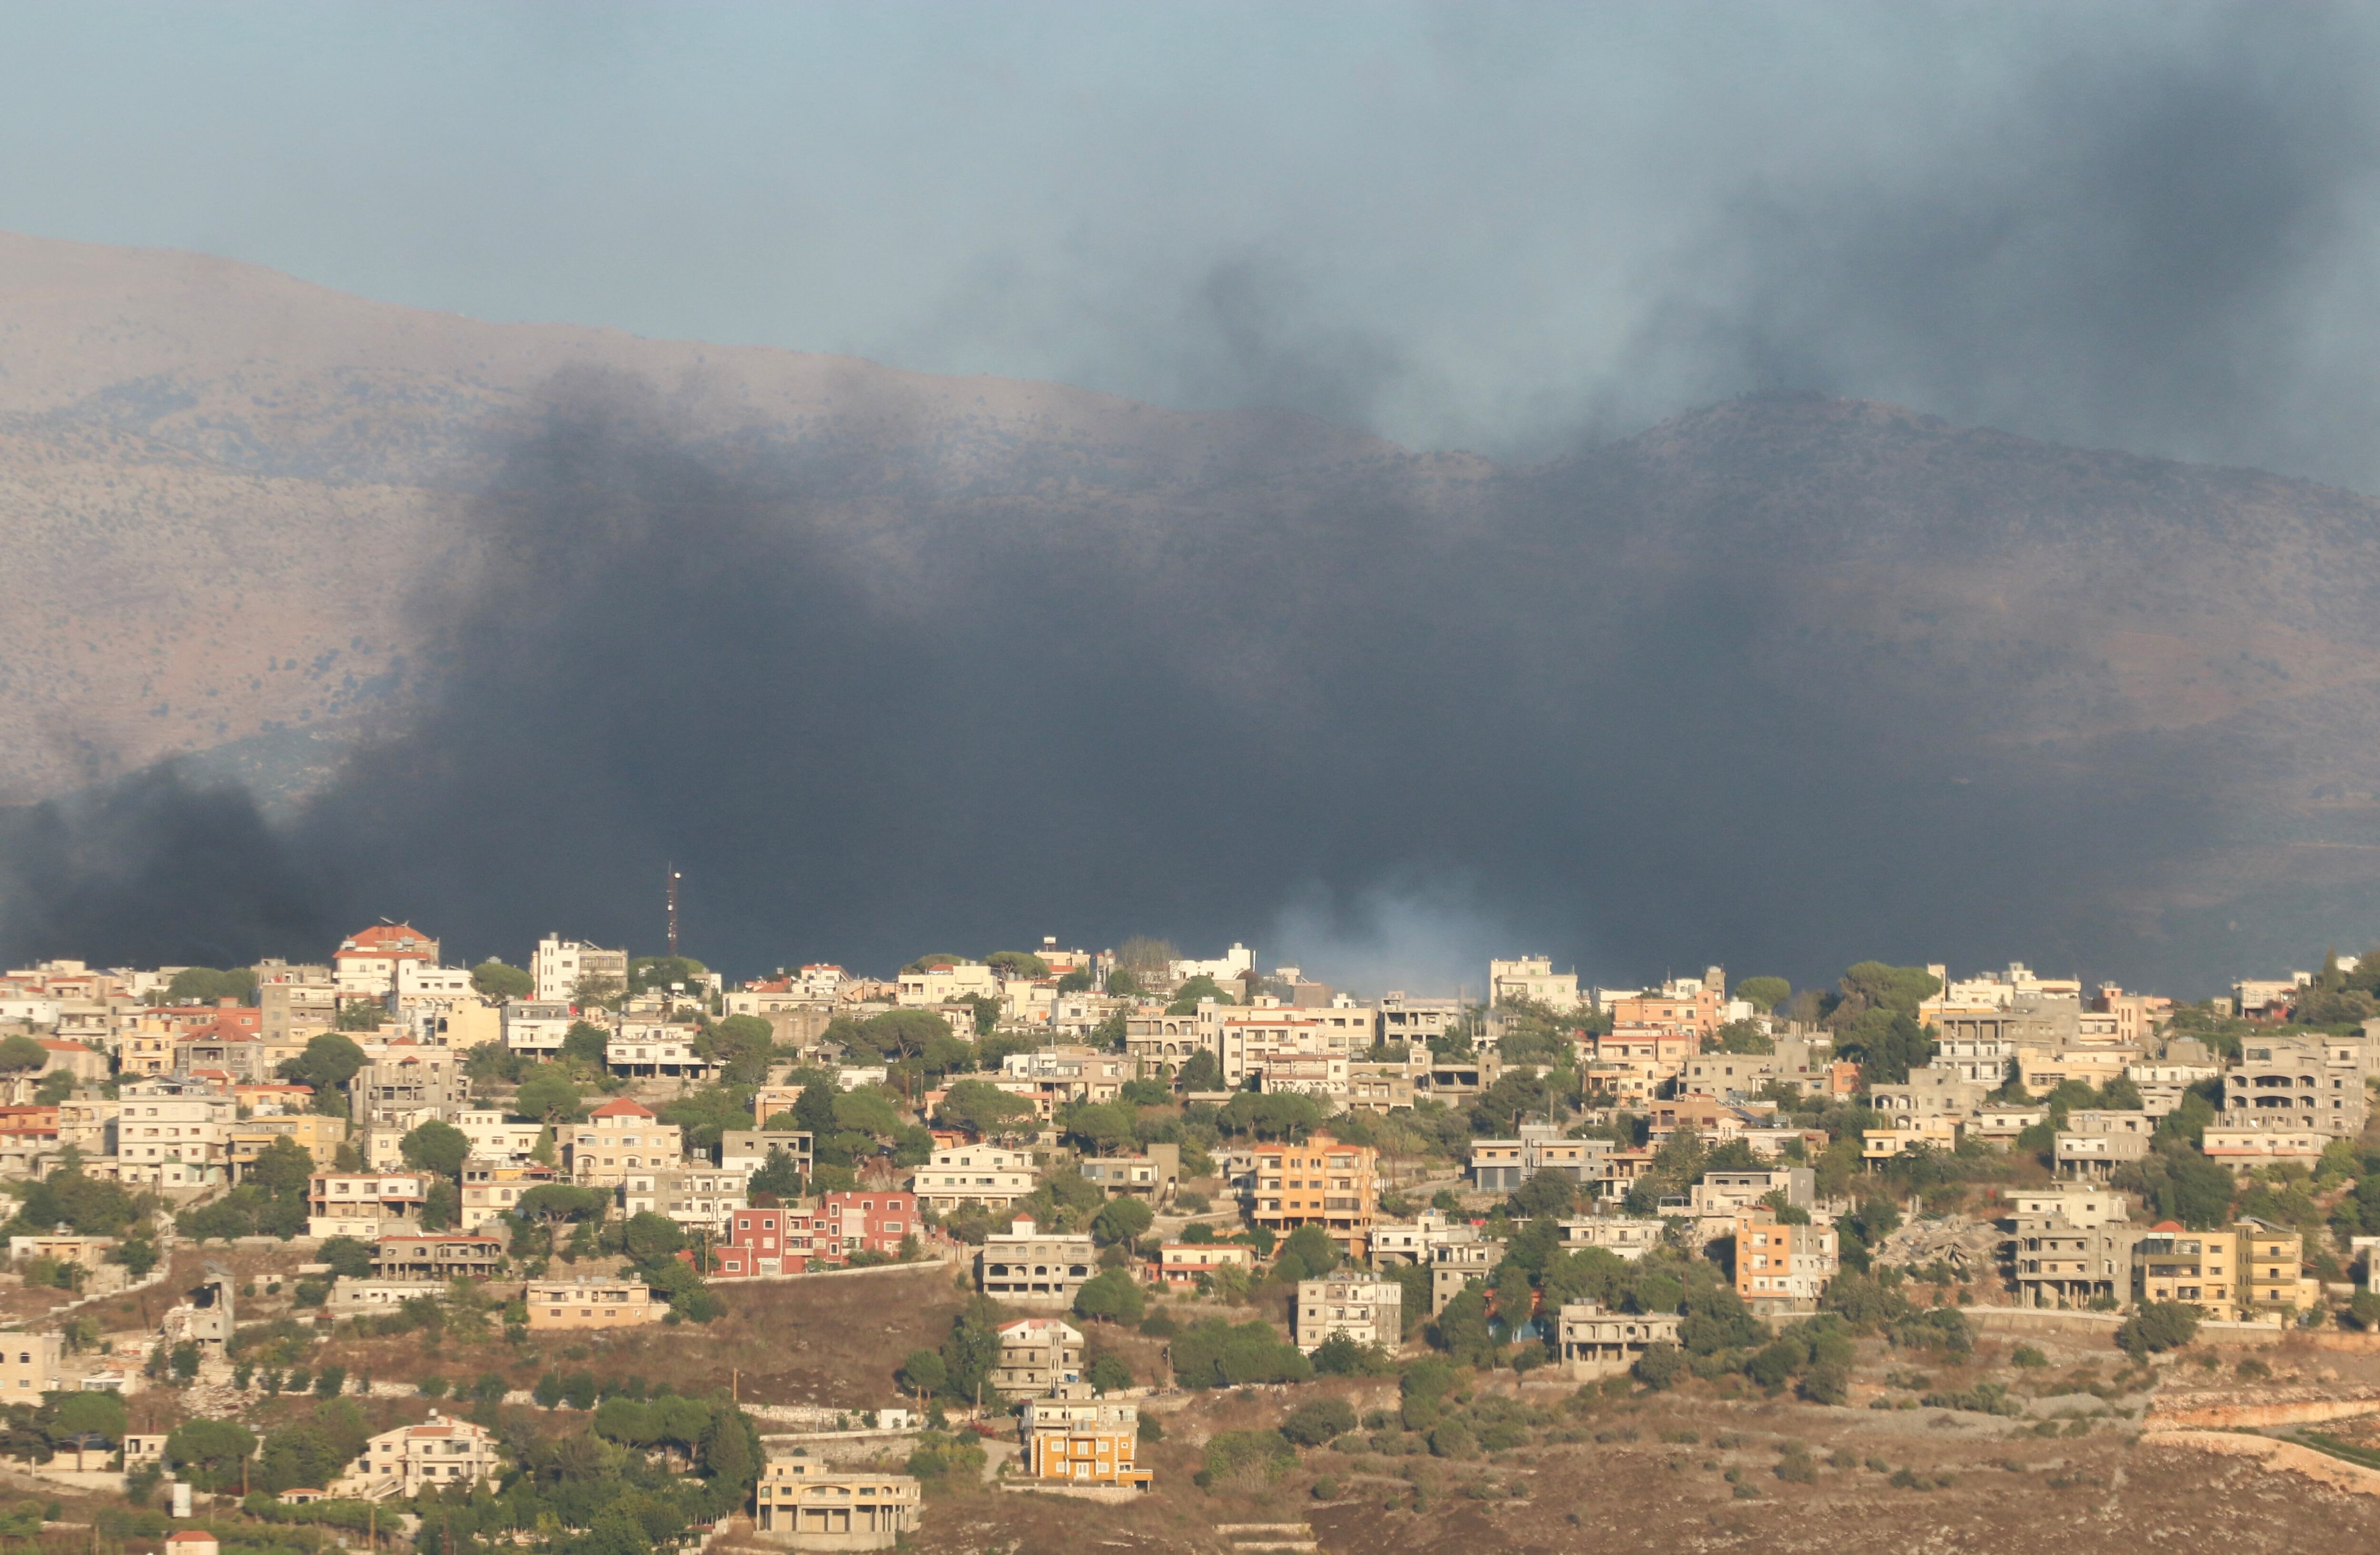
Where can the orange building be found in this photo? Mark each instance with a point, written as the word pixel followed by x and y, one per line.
pixel 1700 1012
pixel 1321 1183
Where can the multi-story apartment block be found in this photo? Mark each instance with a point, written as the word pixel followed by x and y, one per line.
pixel 1532 978
pixel 2056 1262
pixel 1401 1243
pixel 1181 1264
pixel 1454 1266
pixel 440 1453
pixel 1247 1040
pixel 812 1504
pixel 405 1077
pixel 1076 1437
pixel 492 1188
pixel 590 1303
pixel 366 961
pixel 30 1365
pixel 657 1050
pixel 496 1137
pixel 1038 1355
pixel 1321 1183
pixel 2198 1267
pixel 701 1198
pixel 618 1137
pixel 1027 1264
pixel 535 1027
pixel 2300 1083
pixel 315 1133
pixel 2272 1269
pixel 1781 1268
pixel 761 1241
pixel 559 965
pixel 1500 1165
pixel 436 1256
pixel 2250 1146
pixel 947 982
pixel 860 1220
pixel 749 1150
pixel 989 1177
pixel 1366 1309
pixel 305 1001
pixel 164 1120
pixel 1732 1193
pixel 365 1205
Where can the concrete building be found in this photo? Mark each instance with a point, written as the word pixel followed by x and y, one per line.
pixel 2055 1262
pixel 2248 1146
pixel 1321 1183
pixel 986 1174
pixel 1181 1264
pixel 2299 1083
pixel 2199 1266
pixel 2094 1143
pixel 30 1365
pixel 1027 1264
pixel 1417 1022
pixel 1729 1193
pixel 492 1188
pixel 2076 1203
pixel 1625 1237
pixel 1038 1355
pixel 948 982
pixel 1397 1243
pixel 1073 1437
pixel 1248 1041
pixel 559 965
pixel 1780 1268
pixel 749 1150
pixel 1455 1265
pixel 1502 1166
pixel 853 1221
pixel 700 1199
pixel 1366 1310
pixel 1533 979
pixel 1595 1342
pixel 617 1138
pixel 366 961
pixel 440 1453
pixel 436 1257
pixel 804 1505
pixel 1154 1176
pixel 365 1205
pixel 535 1027
pixel 656 1050
pixel 588 1303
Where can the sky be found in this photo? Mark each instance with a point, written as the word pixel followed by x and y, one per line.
pixel 1500 227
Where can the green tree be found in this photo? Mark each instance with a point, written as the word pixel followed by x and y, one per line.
pixel 1124 985
pixel 984 1109
pixel 1318 1421
pixel 1764 994
pixel 2157 1326
pixel 1462 1329
pixel 1123 1219
pixel 93 1411
pixel 328 1063
pixel 923 1374
pixel 650 1238
pixel 1200 1071
pixel 588 1043
pixel 435 1146
pixel 648 973
pixel 1075 981
pixel 284 1168
pixel 493 979
pixel 205 985
pixel 546 1094
pixel 347 1257
pixel 209 1452
pixel 1188 996
pixel 780 1175
pixel 1017 963
pixel 21 1054
pixel 971 1351
pixel 1112 1297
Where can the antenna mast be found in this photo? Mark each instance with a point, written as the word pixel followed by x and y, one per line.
pixel 673 911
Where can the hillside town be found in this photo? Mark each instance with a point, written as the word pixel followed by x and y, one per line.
pixel 1142 1180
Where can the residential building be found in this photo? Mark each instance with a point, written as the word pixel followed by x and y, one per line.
pixel 589 1303
pixel 948 982
pixel 1155 1039
pixel 1728 1193
pixel 2272 1271
pixel 618 1137
pixel 1595 1342
pixel 1027 1264
pixel 30 1365
pixel 1417 1022
pixel 365 1205
pixel 807 1505
pixel 1397 1242
pixel 2163 1083
pixel 1037 1355
pixel 2056 1262
pixel 2198 1267
pixel 2076 1203
pixel 1455 1265
pixel 657 1050
pixel 1154 1176
pixel 318 1134
pixel 1364 1308
pixel 760 1241
pixel 861 1220
pixel 405 1077
pixel 1627 1236
pixel 491 1188
pixel 437 1255
pixel 2299 1083
pixel 1909 1132
pixel 1181 1264
pixel 535 1027
pixel 1387 1085
pixel 440 1453
pixel 2094 1143
pixel 559 965
pixel 494 1136
pixel 1533 979
pixel 286 1008
pixel 1248 1040
pixel 2246 1147
pixel 748 1149
pixel 366 961
pixel 1934 1091
pixel 987 1175
pixel 1321 1183
pixel 165 1120
pixel 1083 1439
pixel 1674 1009
pixel 700 1199
pixel 1501 1165
pixel 1781 1268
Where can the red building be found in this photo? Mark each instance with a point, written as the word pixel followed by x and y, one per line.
pixel 856 1220
pixel 757 1243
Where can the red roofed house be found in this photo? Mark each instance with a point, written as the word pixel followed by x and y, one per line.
pixel 617 1138
pixel 366 961
pixel 191 1541
pixel 433 1455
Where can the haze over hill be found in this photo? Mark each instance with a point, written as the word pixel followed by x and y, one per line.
pixel 884 659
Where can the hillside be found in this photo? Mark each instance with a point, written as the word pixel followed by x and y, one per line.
pixel 1785 638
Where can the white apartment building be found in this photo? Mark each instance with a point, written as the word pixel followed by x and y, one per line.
pixel 1624 1237
pixel 366 961
pixel 947 982
pixel 1366 1310
pixel 990 1176
pixel 365 1205
pixel 1229 966
pixel 1532 978
pixel 150 1128
pixel 440 1453
pixel 1247 1040
pixel 617 1138
pixel 560 965
pixel 535 1027
pixel 495 1137
pixel 420 980
pixel 697 1197
pixel 654 1047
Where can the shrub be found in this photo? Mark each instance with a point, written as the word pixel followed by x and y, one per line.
pixel 1826 1384
pixel 1452 1438
pixel 2028 1357
pixel 1314 1423
pixel 1247 1460
pixel 2159 1326
pixel 1326 1488
pixel 1797 1467
pixel 1660 1366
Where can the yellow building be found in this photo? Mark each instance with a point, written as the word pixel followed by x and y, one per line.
pixel 2272 1269
pixel 2198 1267
pixel 1321 1183
pixel 592 1304
pixel 1908 1133
pixel 317 1134
pixel 1074 1437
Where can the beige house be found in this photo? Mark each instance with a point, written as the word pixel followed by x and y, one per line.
pixel 1037 1355
pixel 29 1367
pixel 1027 1264
pixel 1366 1310
pixel 617 1138
pixel 589 1303
pixel 440 1453
pixel 803 1504
pixel 990 1176
pixel 365 1205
